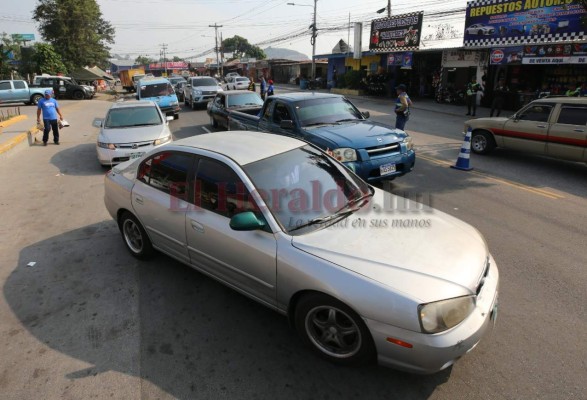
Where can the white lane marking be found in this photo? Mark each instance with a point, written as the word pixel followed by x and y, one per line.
pixel 206 129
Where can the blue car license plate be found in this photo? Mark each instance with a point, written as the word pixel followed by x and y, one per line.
pixel 386 169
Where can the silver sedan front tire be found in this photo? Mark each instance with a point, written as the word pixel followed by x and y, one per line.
pixel 333 330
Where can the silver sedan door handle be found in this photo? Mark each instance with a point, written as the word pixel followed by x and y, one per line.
pixel 541 126
pixel 197 226
pixel 578 130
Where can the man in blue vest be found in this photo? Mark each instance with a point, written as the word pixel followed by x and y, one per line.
pixel 402 107
pixel 48 105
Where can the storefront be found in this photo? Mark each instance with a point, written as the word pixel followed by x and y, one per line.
pixel 532 71
pixel 459 66
pixel 537 47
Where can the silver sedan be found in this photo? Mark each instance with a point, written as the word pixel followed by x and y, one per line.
pixel 362 274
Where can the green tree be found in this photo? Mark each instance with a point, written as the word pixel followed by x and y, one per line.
pixel 240 47
pixel 76 30
pixel 142 60
pixel 47 60
pixel 9 52
pixel 177 59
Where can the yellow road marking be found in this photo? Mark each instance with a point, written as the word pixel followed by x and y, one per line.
pixel 507 182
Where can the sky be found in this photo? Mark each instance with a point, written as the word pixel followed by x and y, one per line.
pixel 143 26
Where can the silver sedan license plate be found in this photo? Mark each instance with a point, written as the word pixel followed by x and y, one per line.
pixel 132 156
pixel 386 169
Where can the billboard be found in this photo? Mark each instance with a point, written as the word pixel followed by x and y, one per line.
pixel 170 65
pixel 396 33
pixel 556 53
pixel 517 22
pixel 23 37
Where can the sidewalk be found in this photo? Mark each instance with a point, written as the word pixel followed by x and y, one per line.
pixel 424 104
pixel 15 135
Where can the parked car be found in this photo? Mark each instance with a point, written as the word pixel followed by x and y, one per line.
pixel 161 92
pixel 66 88
pixel 244 101
pixel 38 81
pixel 200 90
pixel 16 91
pixel 480 29
pixel 130 129
pixel 230 75
pixel 552 126
pixel 238 83
pixel 374 151
pixel 229 205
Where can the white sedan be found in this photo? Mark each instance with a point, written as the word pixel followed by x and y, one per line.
pixel 280 221
pixel 238 83
pixel 480 29
pixel 130 129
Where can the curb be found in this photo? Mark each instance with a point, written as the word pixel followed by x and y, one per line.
pixel 15 141
pixel 12 121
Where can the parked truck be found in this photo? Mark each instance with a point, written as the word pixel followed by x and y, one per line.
pixel 65 87
pixel 374 151
pixel 129 77
pixel 16 91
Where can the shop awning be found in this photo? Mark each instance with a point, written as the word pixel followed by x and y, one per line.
pixel 91 74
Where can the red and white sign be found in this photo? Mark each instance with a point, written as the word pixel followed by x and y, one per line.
pixel 497 56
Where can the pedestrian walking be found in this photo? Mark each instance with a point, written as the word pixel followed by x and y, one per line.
pixel 252 86
pixel 270 89
pixel 472 88
pixel 263 87
pixel 499 94
pixel 402 107
pixel 50 109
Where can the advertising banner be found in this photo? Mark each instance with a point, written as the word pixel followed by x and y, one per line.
pixel 511 22
pixel 506 55
pixel 170 65
pixel 397 33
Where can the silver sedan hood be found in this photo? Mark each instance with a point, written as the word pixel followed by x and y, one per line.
pixel 133 135
pixel 428 251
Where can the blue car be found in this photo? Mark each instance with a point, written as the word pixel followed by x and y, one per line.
pixel 374 151
pixel 161 92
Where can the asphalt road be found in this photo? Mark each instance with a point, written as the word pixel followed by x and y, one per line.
pixel 89 321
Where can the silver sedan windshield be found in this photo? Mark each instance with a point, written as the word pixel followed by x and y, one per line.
pixel 304 188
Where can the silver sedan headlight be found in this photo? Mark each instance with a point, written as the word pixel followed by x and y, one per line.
pixel 344 154
pixel 198 92
pixel 442 315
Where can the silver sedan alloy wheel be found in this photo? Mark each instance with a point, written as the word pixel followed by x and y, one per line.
pixel 133 236
pixel 333 332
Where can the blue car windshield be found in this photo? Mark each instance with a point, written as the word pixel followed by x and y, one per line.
pixel 328 110
pixel 304 185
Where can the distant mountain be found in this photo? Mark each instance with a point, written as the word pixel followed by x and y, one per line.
pixel 274 53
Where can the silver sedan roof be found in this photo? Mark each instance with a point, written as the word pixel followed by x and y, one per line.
pixel 242 146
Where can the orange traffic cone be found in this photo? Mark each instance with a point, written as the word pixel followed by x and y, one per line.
pixel 465 154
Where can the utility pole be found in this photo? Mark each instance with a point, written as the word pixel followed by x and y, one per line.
pixel 216 26
pixel 314 42
pixel 388 8
pixel 164 47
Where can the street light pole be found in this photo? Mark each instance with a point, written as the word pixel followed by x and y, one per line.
pixel 388 8
pixel 314 42
pixel 314 34
pixel 216 26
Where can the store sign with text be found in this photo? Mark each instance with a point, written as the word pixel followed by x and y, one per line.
pixel 503 22
pixel 560 53
pixel 169 65
pixel 397 33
